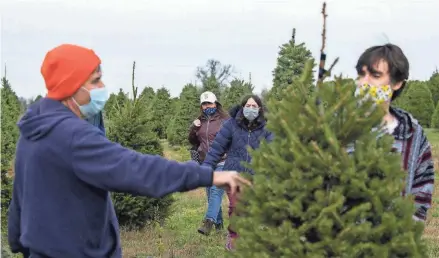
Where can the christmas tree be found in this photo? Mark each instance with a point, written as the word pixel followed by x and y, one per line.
pixel 131 126
pixel 187 111
pixel 418 101
pixel 328 184
pixel 291 59
pixel 234 94
pixel 435 118
pixel 433 84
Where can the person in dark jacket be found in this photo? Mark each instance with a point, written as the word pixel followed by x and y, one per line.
pixel 246 128
pixel 201 135
pixel 98 121
pixel 65 167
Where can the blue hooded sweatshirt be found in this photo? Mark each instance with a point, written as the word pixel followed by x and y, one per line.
pixel 64 170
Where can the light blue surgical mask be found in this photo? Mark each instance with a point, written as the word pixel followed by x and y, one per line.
pixel 98 98
pixel 250 113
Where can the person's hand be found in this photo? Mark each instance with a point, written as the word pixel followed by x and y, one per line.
pixel 230 180
pixel 197 123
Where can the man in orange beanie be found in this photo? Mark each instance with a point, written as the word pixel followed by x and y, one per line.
pixel 65 167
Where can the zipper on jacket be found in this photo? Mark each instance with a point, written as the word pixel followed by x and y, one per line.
pixel 248 144
pixel 207 133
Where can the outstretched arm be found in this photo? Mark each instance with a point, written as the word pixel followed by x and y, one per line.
pixel 108 165
pixel 219 145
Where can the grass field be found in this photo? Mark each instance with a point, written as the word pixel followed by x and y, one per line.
pixel 179 237
pixel 432 224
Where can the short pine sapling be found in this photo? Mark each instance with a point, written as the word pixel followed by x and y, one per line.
pixel 328 185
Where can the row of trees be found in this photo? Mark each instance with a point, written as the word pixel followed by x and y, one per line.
pixel 140 120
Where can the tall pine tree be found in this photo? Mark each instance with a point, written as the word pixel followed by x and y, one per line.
pixel 433 85
pixel 132 128
pixel 237 90
pixel 290 63
pixel 161 111
pixel 314 198
pixel 10 112
pixel 187 111
pixel 147 94
pixel 418 100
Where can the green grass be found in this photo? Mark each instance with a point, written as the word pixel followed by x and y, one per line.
pixel 178 237
pixel 433 136
pixel 432 226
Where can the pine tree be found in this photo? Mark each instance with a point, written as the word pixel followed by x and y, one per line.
pixel 290 63
pixel 418 101
pixel 10 112
pixel 187 111
pixel 147 95
pixel 161 112
pixel 237 90
pixel 265 94
pixel 311 198
pixel 433 84
pixel 115 102
pixel 132 128
pixel 435 118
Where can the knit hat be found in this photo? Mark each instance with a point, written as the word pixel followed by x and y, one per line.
pixel 66 68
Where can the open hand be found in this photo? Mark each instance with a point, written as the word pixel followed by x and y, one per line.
pixel 230 180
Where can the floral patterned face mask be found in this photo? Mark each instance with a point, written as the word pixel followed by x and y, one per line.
pixel 379 94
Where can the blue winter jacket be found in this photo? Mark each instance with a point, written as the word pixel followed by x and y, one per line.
pixel 234 138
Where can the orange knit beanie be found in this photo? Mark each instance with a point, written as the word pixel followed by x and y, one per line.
pixel 66 68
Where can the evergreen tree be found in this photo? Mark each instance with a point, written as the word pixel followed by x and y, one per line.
pixel 264 94
pixel 290 63
pixel 435 118
pixel 311 198
pixel 115 102
pixel 10 112
pixel 161 112
pixel 187 111
pixel 147 95
pixel 131 127
pixel 433 84
pixel 147 98
pixel 237 90
pixel 175 104
pixel 418 101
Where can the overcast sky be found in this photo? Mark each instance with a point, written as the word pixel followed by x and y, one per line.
pixel 168 39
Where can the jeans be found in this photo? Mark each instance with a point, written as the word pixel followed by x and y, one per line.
pixel 214 200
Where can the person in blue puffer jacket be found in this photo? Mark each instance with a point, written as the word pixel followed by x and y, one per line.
pixel 246 127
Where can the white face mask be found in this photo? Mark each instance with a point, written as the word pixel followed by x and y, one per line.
pixel 250 113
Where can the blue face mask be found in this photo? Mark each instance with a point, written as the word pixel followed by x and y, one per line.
pixel 98 98
pixel 209 111
pixel 250 113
